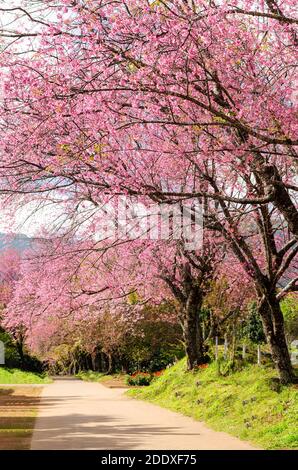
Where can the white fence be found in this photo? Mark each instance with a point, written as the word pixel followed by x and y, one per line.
pixel 2 353
pixel 293 351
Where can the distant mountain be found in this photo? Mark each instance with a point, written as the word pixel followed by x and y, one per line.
pixel 18 241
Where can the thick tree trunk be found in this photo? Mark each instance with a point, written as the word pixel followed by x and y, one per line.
pixel 20 349
pixel 273 324
pixel 192 331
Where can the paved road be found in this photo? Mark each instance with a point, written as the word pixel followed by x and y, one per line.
pixel 83 415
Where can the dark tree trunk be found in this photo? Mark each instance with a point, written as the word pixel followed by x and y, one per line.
pixel 103 362
pixel 93 361
pixel 20 349
pixel 192 331
pixel 273 324
pixel 189 292
pixel 110 363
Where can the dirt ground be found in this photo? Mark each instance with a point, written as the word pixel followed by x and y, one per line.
pixel 18 410
pixel 115 382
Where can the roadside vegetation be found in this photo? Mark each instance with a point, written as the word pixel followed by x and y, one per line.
pixel 117 380
pixel 91 376
pixel 17 376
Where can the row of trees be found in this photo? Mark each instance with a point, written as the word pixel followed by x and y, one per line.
pixel 159 102
pixel 71 333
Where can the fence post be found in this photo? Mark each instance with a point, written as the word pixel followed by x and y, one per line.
pixel 2 353
pixel 216 348
pixel 243 351
pixel 259 355
pixel 294 352
pixel 226 348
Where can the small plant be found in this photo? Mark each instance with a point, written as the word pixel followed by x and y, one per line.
pixel 225 368
pixel 202 366
pixel 158 373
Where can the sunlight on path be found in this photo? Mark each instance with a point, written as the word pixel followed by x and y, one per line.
pixel 82 415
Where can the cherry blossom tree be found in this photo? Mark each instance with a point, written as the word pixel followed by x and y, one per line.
pixel 84 283
pixel 164 101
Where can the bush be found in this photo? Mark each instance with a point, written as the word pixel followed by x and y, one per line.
pixel 226 368
pixel 139 379
pixel 167 355
pixel 253 327
pixel 12 357
pixel 32 364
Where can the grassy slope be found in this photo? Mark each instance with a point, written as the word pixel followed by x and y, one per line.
pixel 17 376
pixel 241 404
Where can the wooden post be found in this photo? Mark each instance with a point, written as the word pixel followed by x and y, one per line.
pixel 259 355
pixel 243 351
pixel 216 348
pixel 226 348
pixel 2 353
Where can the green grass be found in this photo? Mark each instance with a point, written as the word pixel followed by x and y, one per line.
pixel 242 404
pixel 91 376
pixel 17 376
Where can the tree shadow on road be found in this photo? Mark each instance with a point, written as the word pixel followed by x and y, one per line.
pixel 95 432
pixel 18 409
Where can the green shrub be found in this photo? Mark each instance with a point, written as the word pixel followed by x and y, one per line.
pixel 253 327
pixel 139 379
